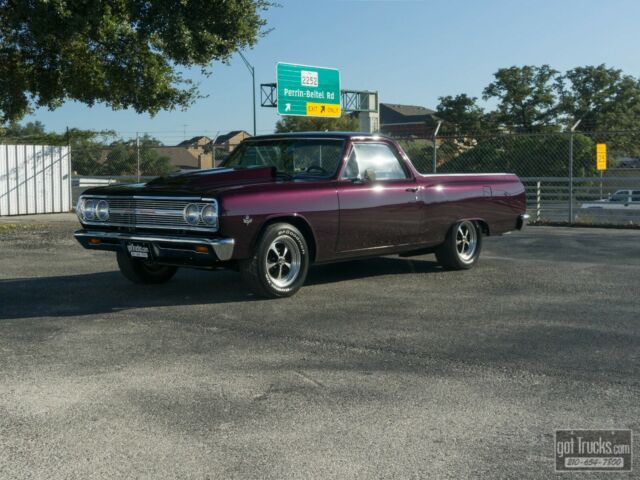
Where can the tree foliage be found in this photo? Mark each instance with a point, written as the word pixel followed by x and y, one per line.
pixel 124 53
pixel 525 95
pixel 602 98
pixel 346 123
pixel 460 114
pixel 122 158
pixel 524 155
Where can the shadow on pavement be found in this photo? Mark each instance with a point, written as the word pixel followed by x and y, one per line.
pixel 104 292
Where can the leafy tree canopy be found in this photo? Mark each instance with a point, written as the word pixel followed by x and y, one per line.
pixel 602 98
pixel 124 53
pixel 525 96
pixel 461 113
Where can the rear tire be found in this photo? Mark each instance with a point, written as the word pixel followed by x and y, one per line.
pixel 140 272
pixel 461 248
pixel 279 265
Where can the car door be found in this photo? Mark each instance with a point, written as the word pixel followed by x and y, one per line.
pixel 379 199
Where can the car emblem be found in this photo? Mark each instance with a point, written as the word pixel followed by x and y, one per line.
pixel 247 220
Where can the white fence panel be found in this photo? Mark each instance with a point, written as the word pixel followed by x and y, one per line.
pixel 34 179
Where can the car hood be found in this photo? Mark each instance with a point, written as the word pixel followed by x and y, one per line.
pixel 200 182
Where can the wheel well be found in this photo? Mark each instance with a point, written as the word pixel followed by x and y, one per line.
pixel 301 224
pixel 484 227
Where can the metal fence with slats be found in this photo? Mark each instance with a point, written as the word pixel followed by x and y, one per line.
pixel 34 179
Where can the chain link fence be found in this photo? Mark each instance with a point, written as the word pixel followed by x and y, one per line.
pixel 558 170
pixel 138 160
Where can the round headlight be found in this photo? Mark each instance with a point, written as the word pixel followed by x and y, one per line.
pixel 191 214
pixel 88 210
pixel 102 211
pixel 210 215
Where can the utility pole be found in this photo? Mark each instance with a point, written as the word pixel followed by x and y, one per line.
pixel 573 129
pixel 252 70
pixel 435 146
pixel 138 156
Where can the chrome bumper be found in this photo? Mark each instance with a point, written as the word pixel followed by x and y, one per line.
pixel 222 247
pixel 522 220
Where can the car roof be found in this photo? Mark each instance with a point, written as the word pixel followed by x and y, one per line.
pixel 341 135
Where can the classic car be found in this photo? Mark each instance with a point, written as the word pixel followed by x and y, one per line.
pixel 283 202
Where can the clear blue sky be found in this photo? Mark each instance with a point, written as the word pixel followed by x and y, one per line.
pixel 411 51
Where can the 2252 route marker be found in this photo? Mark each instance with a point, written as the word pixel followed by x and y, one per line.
pixel 308 91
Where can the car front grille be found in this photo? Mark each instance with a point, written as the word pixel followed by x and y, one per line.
pixel 152 212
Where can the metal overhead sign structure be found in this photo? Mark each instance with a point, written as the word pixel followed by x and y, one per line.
pixel 308 91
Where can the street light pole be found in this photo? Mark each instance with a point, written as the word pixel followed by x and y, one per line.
pixel 435 146
pixel 253 79
pixel 573 129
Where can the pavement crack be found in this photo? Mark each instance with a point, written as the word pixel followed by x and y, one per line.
pixel 309 379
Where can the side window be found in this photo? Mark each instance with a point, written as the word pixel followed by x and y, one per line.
pixel 620 196
pixel 376 157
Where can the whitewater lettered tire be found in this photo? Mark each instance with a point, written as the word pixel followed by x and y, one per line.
pixel 280 262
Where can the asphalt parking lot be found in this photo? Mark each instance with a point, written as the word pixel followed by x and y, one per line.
pixel 384 368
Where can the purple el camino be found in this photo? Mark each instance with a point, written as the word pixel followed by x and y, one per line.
pixel 282 202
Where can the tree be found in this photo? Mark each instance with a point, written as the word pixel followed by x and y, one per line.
pixel 124 53
pixel 346 123
pixel 122 158
pixel 526 155
pixel 602 98
pixel 525 96
pixel 461 114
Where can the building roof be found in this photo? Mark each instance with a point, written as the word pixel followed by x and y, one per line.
pixel 195 140
pixel 179 156
pixel 391 113
pixel 222 139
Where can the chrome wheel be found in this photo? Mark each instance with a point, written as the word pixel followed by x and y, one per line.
pixel 283 261
pixel 466 241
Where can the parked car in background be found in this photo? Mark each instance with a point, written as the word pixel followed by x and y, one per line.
pixel 621 200
pixel 629 162
pixel 282 202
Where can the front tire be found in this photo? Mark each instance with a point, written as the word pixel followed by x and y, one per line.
pixel 140 272
pixel 461 248
pixel 279 265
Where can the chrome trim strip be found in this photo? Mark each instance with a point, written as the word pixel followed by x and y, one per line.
pixel 223 247
pixel 148 197
pixel 145 225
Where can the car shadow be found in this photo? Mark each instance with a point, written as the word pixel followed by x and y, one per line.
pixel 373 267
pixel 105 292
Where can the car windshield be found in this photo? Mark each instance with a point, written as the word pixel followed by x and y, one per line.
pixel 292 157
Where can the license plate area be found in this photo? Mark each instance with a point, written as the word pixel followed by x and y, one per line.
pixel 139 250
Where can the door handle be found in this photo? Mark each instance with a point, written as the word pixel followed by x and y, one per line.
pixel 412 189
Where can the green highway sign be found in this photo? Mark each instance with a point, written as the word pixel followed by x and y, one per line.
pixel 308 91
